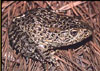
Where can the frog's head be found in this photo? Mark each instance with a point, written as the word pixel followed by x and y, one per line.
pixel 77 32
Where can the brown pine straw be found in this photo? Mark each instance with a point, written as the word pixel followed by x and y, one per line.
pixel 84 58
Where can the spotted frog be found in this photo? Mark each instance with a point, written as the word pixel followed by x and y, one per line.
pixel 37 32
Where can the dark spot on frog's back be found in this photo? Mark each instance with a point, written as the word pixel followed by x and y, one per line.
pixel 39 29
pixel 43 11
pixel 18 20
pixel 34 31
pixel 56 26
pixel 32 20
pixel 38 19
pixel 41 34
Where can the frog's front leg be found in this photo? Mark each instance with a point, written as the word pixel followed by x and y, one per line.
pixel 47 54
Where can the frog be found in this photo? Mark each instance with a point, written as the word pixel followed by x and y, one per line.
pixel 37 32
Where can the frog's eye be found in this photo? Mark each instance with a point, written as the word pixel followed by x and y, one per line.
pixel 73 32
